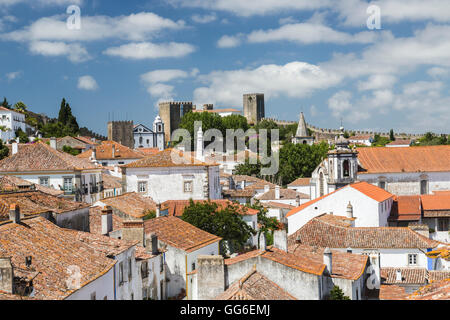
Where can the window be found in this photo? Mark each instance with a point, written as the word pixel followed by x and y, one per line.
pixel 93 296
pixel 142 186
pixel 382 184
pixel 44 181
pixel 442 224
pixel 161 263
pixel 193 266
pixel 346 168
pixel 188 186
pixel 412 259
pixel 144 269
pixel 129 269
pixel 424 187
pixel 68 184
pixel 120 272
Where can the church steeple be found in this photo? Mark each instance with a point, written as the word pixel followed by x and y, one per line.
pixel 302 135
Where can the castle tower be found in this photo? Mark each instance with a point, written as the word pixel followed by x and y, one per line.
pixel 158 129
pixel 121 132
pixel 302 136
pixel 171 114
pixel 254 109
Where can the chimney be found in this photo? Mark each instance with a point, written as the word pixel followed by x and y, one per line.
pixel 277 192
pixel 297 200
pixel 349 210
pixel 262 242
pixel 15 147
pixel 327 260
pixel 53 142
pixel 243 184
pixel 107 220
pixel 113 150
pixel 94 154
pixel 266 188
pixel 6 275
pixel 398 275
pixel 210 276
pixel 14 213
pixel 280 240
pixel 158 210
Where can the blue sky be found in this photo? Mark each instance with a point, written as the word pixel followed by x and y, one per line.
pixel 318 57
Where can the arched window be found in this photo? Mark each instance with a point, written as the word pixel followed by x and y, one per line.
pixel 304 142
pixel 346 166
pixel 423 186
pixel 321 184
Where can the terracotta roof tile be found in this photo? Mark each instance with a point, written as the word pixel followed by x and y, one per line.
pixel 36 202
pixel 179 234
pixel 322 234
pixel 400 142
pixel 95 221
pixel 300 182
pixel 53 251
pixel 413 159
pixel 104 151
pixel 41 157
pixel 166 158
pixel 147 151
pixel 176 207
pixel 435 202
pixel 132 204
pixel 406 208
pixel 409 275
pixel 439 290
pixel 285 194
pixel 392 292
pixel 111 182
pixel 12 184
pixel 254 286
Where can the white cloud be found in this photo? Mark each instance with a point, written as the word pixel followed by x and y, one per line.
pixel 13 75
pixel 161 90
pixel 230 41
pixel 295 79
pixel 6 3
pixel 74 52
pixel 437 72
pixel 163 75
pixel 207 18
pixel 287 20
pixel 377 81
pixel 148 50
pixel 134 27
pixel 87 83
pixel 309 33
pixel 249 8
pixel 340 103
pixel 353 12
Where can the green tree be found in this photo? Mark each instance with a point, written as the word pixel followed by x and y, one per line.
pixel 226 222
pixel 149 214
pixel 235 121
pixel 380 141
pixel 70 150
pixel 5 103
pixel 20 107
pixel 209 121
pixel 267 225
pixel 248 169
pixel 391 135
pixel 4 150
pixel 299 160
pixel 337 294
pixel 63 112
pixel 23 137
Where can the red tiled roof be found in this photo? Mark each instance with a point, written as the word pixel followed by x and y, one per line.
pixel 435 202
pixel 406 208
pixel 36 202
pixel 300 182
pixel 111 182
pixel 323 234
pixel 13 183
pixel 254 286
pixel 147 151
pixel 368 189
pixel 285 194
pixel 400 142
pixel 104 151
pixel 132 204
pixel 165 159
pixel 414 159
pixel 409 275
pixel 273 204
pixel 179 234
pixel 95 221
pixel 439 290
pixel 392 292
pixel 176 207
pixel 41 157
pixel 53 251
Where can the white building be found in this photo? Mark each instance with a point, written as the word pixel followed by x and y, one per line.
pixel 182 243
pixel 110 154
pixel 280 195
pixel 367 204
pixel 365 140
pixel 39 163
pixel 148 138
pixel 11 121
pixel 172 175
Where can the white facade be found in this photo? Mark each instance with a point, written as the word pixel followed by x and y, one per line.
pixel 409 183
pixel 101 288
pixel 175 183
pixel 367 211
pixel 147 138
pixel 12 121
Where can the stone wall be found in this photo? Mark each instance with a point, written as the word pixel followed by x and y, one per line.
pixel 121 132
